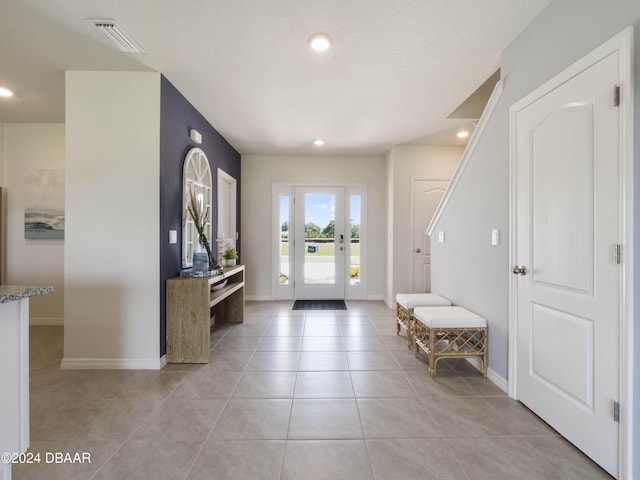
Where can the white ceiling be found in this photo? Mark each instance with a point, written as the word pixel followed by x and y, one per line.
pixel 397 68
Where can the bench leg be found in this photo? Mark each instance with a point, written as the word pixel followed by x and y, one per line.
pixel 432 358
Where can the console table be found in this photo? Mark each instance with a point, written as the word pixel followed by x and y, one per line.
pixel 14 370
pixel 189 320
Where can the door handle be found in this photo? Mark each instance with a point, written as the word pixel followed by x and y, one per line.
pixel 519 270
pixel 418 250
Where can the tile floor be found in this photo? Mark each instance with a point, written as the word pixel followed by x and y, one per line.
pixel 290 395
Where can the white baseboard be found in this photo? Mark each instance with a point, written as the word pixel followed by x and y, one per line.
pixel 46 321
pixel 113 363
pixel 375 297
pixel 258 298
pixel 499 382
pixel 269 298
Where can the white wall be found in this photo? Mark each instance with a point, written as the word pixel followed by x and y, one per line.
pixel 389 239
pixel 32 262
pixel 258 175
pixel 406 163
pixel 112 209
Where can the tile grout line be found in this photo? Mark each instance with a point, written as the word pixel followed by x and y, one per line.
pixel 206 440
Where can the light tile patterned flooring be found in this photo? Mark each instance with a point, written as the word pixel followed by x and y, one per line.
pixel 290 395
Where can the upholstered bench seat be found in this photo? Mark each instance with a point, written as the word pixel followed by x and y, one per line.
pixel 446 332
pixel 406 302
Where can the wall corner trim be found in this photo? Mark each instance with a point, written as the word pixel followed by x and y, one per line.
pixel 468 152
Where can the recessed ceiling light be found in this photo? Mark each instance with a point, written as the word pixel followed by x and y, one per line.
pixel 463 134
pixel 320 42
pixel 318 143
pixel 5 92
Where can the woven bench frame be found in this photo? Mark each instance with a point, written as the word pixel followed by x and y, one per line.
pixel 404 318
pixel 444 342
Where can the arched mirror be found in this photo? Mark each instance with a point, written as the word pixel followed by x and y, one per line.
pixel 196 176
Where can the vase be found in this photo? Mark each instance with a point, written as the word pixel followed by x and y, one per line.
pixel 200 259
pixel 230 262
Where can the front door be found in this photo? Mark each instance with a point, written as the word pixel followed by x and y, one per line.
pixel 566 277
pixel 319 246
pixel 426 198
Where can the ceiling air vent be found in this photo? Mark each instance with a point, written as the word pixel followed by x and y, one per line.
pixel 117 36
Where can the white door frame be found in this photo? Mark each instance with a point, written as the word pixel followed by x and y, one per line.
pixel 412 226
pixel 230 204
pixel 286 292
pixel 623 43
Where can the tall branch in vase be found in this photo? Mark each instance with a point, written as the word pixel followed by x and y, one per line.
pixel 200 220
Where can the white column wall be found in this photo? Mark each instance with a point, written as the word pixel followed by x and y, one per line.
pixel 112 209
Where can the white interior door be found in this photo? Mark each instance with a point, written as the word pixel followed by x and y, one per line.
pixel 567 210
pixel 426 198
pixel 319 246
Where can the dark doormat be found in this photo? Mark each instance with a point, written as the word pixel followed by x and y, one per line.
pixel 319 305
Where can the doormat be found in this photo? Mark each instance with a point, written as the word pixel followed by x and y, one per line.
pixel 319 305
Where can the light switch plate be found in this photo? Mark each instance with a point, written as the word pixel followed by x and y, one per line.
pixel 441 236
pixel 495 237
pixel 173 237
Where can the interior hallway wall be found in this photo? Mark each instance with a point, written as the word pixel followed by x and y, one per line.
pixel 407 163
pixel 258 175
pixel 32 262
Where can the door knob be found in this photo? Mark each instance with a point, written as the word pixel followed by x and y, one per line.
pixel 418 250
pixel 519 270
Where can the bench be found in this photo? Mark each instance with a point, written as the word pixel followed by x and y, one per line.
pixel 407 302
pixel 450 332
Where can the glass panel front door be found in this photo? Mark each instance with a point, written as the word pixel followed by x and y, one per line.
pixel 319 242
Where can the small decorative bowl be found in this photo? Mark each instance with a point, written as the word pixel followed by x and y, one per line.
pixel 219 285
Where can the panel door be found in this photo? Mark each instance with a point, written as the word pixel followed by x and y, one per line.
pixel 319 243
pixel 568 224
pixel 426 198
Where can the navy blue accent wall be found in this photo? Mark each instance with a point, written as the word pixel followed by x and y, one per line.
pixel 177 116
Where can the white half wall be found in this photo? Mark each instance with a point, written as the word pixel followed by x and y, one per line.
pixel 112 317
pixel 32 262
pixel 258 175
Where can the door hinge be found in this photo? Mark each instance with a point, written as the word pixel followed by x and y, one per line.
pixel 617 254
pixel 616 95
pixel 616 412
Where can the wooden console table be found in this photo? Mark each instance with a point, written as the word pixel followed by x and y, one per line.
pixel 189 321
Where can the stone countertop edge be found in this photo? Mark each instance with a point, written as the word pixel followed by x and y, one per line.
pixel 11 293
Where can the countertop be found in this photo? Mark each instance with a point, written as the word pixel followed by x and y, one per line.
pixel 11 293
